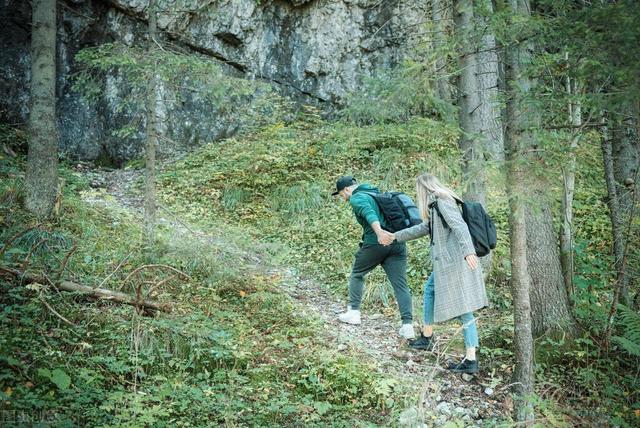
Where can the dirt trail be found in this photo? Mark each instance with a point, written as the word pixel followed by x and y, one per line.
pixel 444 396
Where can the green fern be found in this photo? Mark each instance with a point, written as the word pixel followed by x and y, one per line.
pixel 630 322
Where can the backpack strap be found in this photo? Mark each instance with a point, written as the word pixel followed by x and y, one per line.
pixel 434 206
pixel 373 196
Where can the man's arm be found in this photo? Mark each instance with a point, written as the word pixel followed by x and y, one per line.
pixel 363 207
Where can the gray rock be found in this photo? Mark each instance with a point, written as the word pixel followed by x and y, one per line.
pixel 315 51
pixel 460 411
pixel 409 418
pixel 488 391
pixel 444 408
pixel 441 420
pixel 467 377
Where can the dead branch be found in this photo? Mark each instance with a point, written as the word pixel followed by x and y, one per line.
pixel 54 312
pixel 32 250
pixel 100 293
pixel 116 296
pixel 63 266
pixel 159 284
pixel 115 270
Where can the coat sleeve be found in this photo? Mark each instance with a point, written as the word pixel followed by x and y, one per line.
pixel 362 206
pixel 453 218
pixel 413 232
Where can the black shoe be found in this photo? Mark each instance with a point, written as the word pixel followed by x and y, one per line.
pixel 423 342
pixel 466 366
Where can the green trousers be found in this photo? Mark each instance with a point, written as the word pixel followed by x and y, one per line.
pixel 393 260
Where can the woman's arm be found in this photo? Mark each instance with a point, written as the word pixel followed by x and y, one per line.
pixel 413 232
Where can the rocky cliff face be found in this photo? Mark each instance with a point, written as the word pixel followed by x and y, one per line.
pixel 314 50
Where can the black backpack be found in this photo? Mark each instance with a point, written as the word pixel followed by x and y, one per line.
pixel 481 226
pixel 398 210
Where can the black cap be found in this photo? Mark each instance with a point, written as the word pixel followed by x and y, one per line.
pixel 344 181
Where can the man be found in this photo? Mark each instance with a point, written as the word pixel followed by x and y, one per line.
pixel 392 258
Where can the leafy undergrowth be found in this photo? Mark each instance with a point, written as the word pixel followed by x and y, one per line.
pixel 234 351
pixel 276 184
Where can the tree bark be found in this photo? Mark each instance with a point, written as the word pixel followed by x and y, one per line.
pixel 41 180
pixel 438 13
pixel 568 190
pixel 620 225
pixel 625 157
pixel 523 376
pixel 152 137
pixel 550 309
pixel 479 115
pixel 487 75
pixel 518 137
pixel 469 105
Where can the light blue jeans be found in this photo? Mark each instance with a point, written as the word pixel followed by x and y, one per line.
pixel 469 329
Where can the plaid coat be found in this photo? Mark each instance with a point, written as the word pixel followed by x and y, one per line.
pixel 458 289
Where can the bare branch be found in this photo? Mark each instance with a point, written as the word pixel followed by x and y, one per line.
pixel 115 270
pixel 53 311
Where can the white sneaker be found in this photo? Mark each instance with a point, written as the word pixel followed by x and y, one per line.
pixel 406 331
pixel 352 316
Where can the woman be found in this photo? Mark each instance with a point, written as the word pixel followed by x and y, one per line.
pixel 455 288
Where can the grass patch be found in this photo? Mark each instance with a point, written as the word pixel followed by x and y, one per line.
pixel 233 353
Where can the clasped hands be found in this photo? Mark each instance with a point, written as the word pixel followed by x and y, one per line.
pixel 385 238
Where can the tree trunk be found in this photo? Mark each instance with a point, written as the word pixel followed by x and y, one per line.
pixel 152 137
pixel 519 121
pixel 625 152
pixel 620 225
pixel 469 105
pixel 550 310
pixel 523 375
pixel 568 189
pixel 479 115
pixel 438 11
pixel 487 75
pixel 41 181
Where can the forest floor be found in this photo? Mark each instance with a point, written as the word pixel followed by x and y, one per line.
pixel 444 396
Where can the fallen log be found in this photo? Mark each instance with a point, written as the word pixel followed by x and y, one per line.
pixel 100 293
pixel 116 296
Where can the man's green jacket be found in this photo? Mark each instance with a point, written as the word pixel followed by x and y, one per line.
pixel 367 211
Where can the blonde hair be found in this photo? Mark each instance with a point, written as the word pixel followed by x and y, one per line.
pixel 428 187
